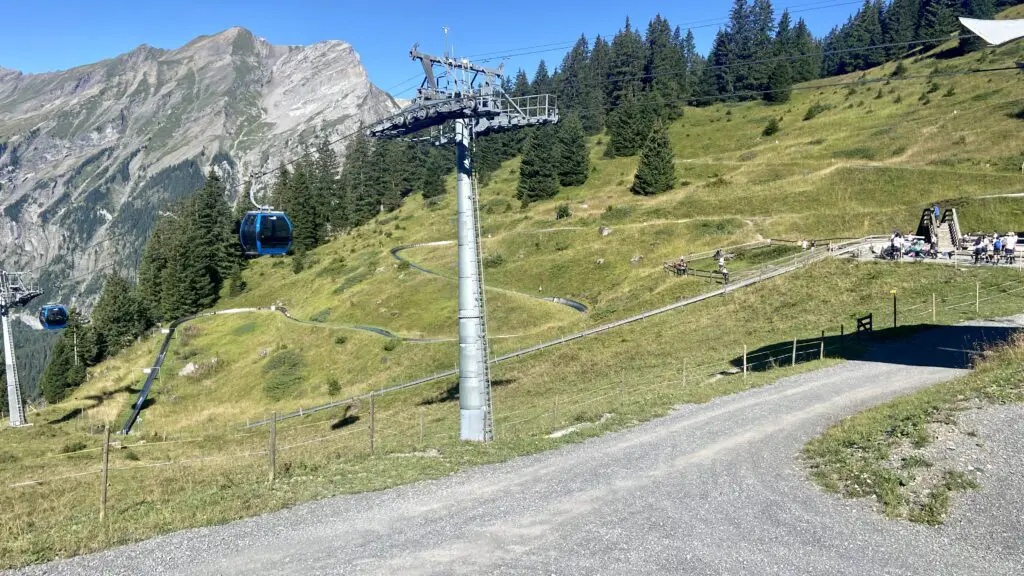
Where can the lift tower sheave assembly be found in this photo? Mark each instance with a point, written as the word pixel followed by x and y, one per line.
pixel 456 92
pixel 13 294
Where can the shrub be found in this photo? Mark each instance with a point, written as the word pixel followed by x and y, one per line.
pixel 284 361
pixel 333 386
pixel 898 99
pixel 772 128
pixel 814 110
pixel 391 344
pixel 960 140
pixel 129 455
pixel 298 262
pixel 562 212
pixel 70 447
pixel 493 260
pixel 950 92
pixel 879 95
pixel 900 70
pixel 321 316
pixel 932 88
pixel 340 340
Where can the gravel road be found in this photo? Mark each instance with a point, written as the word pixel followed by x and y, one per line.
pixel 710 489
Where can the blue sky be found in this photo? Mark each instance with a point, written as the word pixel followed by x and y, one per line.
pixel 71 33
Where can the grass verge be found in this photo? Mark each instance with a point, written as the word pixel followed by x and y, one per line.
pixel 879 453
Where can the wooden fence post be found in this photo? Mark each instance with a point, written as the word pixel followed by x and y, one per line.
pixel 421 426
pixel 821 351
pixel 977 297
pixel 933 306
pixel 792 362
pixel 684 372
pixel 744 361
pixel 103 474
pixel 272 449
pixel 373 424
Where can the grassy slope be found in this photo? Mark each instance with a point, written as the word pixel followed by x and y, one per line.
pixel 864 166
pixel 853 457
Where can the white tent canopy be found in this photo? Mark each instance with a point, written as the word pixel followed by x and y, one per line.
pixel 995 32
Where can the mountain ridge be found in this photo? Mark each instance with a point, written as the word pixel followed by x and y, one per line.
pixel 89 154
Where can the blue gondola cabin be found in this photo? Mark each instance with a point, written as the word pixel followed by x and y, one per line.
pixel 265 233
pixel 53 317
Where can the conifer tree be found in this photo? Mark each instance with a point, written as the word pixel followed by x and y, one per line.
pixel 217 249
pixel 357 179
pixel 601 68
pixel 808 66
pixel 538 175
pixel 656 172
pixel 541 79
pixel 73 352
pixel 981 9
pixel 900 25
pixel 627 65
pixel 629 126
pixel 522 85
pixel 326 184
pixel 663 66
pixel 119 317
pixel 938 19
pixel 573 158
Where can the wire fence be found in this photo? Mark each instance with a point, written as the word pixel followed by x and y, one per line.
pixel 412 425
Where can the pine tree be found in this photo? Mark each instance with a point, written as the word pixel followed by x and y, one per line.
pixel 629 126
pixel 119 317
pixel 808 67
pixel 541 80
pixel 627 65
pixel 357 179
pixel 304 211
pixel 217 249
pixel 692 63
pixel 938 20
pixel 538 175
pixel 601 67
pixel 522 84
pixel 663 63
pixel 900 25
pixel 717 76
pixel 73 352
pixel 573 70
pixel 780 78
pixel 151 269
pixel 326 185
pixel 573 157
pixel 761 17
pixel 656 172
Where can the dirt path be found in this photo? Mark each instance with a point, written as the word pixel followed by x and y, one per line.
pixel 709 489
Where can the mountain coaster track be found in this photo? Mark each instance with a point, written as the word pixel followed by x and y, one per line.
pixel 765 273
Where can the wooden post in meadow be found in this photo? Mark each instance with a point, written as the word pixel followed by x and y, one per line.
pixel 272 449
pixel 933 307
pixel 373 424
pixel 792 362
pixel 103 473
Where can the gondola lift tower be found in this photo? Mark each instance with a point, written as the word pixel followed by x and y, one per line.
pixel 468 98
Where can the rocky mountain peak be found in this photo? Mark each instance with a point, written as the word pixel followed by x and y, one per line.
pixel 89 155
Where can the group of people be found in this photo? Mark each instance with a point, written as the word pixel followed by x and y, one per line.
pixel 915 247
pixel 992 249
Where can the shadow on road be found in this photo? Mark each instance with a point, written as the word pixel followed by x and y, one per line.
pixel 915 345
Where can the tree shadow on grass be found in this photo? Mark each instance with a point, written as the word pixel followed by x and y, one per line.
pixel 347 419
pixel 923 345
pixel 96 400
pixel 451 393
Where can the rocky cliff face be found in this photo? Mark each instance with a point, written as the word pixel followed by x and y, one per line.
pixel 89 155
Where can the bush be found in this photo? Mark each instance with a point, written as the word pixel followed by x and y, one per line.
pixel 900 70
pixel 932 88
pixel 129 455
pixel 333 386
pixel 70 447
pixel 340 340
pixel 562 212
pixel 950 92
pixel 493 260
pixel 879 95
pixel 772 128
pixel 814 110
pixel 298 262
pixel 284 361
pixel 391 344
pixel 898 99
pixel 321 316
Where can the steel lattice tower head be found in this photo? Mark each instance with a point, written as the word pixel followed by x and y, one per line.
pixel 458 94
pixel 13 293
